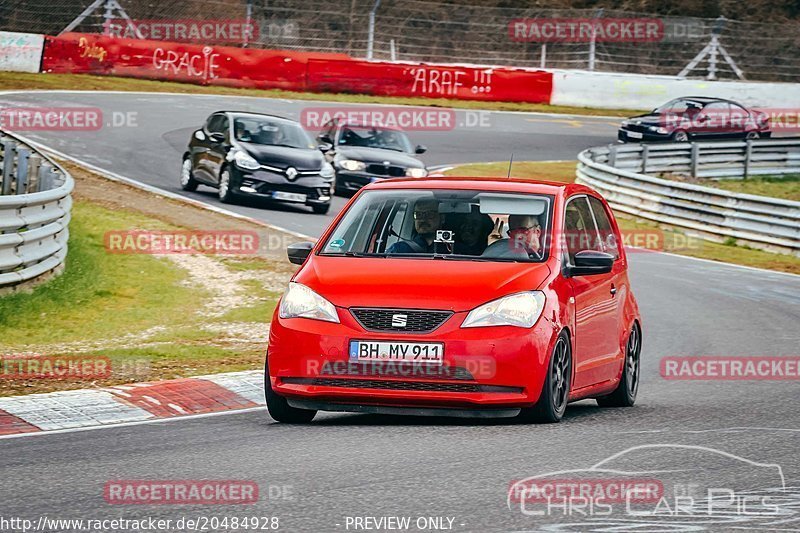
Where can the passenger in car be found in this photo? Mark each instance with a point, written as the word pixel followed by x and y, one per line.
pixel 524 233
pixel 472 233
pixel 524 239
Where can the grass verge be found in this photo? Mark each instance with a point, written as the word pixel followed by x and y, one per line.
pixel 786 187
pixel 674 241
pixel 85 82
pixel 153 317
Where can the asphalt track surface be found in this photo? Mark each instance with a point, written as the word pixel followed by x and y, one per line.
pixel 347 465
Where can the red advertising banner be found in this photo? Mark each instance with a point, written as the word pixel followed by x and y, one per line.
pixel 430 81
pixel 189 63
pixel 282 69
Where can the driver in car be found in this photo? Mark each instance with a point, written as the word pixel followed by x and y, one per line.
pixel 241 132
pixel 427 220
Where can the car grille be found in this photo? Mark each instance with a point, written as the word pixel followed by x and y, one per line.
pixel 416 320
pixel 386 170
pixel 641 128
pixel 432 386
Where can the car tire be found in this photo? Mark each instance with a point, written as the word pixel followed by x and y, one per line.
pixel 625 393
pixel 321 209
pixel 680 136
pixel 752 135
pixel 555 391
pixel 279 408
pixel 225 192
pixel 188 183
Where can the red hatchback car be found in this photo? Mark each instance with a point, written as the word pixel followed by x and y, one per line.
pixel 472 297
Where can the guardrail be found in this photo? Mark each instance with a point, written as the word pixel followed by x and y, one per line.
pixel 35 208
pixel 621 173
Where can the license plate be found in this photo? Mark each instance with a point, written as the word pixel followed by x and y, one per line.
pixel 633 134
pixel 416 352
pixel 289 196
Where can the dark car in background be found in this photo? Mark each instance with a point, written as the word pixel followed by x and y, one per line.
pixel 363 154
pixel 258 155
pixel 696 118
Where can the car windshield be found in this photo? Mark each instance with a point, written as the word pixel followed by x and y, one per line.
pixel 680 106
pixel 373 137
pixel 444 224
pixel 262 130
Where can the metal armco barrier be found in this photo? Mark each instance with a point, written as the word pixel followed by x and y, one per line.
pixel 35 207
pixel 622 173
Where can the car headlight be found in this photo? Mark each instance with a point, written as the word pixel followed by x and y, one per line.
pixel 625 124
pixel 327 171
pixel 301 302
pixel 522 310
pixel 662 130
pixel 245 161
pixel 352 164
pixel 416 172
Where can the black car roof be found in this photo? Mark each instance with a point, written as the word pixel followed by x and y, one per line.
pixel 235 114
pixel 706 100
pixel 341 122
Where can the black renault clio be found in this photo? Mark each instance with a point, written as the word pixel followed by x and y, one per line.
pixel 258 155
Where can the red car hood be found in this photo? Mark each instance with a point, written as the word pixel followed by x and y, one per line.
pixel 417 283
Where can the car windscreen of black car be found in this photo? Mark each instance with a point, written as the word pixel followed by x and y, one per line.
pixel 271 132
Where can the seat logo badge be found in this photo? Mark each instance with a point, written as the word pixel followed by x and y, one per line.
pixel 399 321
pixel 291 173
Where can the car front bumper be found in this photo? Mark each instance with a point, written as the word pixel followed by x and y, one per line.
pixel 353 181
pixel 270 185
pixel 633 136
pixel 500 367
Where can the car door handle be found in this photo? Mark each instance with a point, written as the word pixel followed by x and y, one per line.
pixel 613 290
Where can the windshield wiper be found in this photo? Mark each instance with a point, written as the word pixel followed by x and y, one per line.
pixel 388 148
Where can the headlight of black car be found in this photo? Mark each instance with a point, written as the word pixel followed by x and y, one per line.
pixel 245 161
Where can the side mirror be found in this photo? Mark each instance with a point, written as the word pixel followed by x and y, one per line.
pixel 324 146
pixel 420 149
pixel 217 137
pixel 299 252
pixel 589 262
